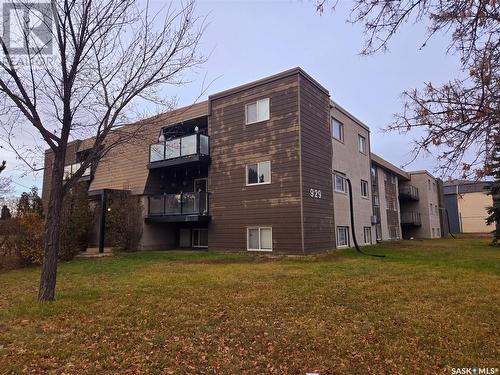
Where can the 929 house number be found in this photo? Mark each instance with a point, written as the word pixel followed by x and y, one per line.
pixel 315 193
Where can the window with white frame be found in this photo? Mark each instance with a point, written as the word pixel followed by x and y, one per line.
pixel 337 130
pixel 367 235
pixel 259 173
pixel 393 179
pixel 364 189
pixel 339 183
pixel 342 236
pixel 260 238
pixel 361 144
pixel 438 230
pixel 433 232
pixel 257 111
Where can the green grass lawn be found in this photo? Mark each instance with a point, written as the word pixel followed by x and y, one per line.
pixel 427 307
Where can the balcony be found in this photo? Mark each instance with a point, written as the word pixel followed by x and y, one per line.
pixel 194 148
pixel 408 193
pixel 411 219
pixel 181 207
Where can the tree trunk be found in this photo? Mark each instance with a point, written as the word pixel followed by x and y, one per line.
pixel 47 288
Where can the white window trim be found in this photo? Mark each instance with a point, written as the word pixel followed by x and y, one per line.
pixel 257 103
pixel 335 184
pixel 258 169
pixel 370 229
pixel 359 144
pixel 337 237
pixel 342 135
pixel 192 238
pixel 259 229
pixel 361 189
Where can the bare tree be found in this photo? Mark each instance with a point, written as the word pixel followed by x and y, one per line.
pixel 460 117
pixel 109 57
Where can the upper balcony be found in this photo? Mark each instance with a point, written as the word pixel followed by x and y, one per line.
pixel 194 148
pixel 411 218
pixel 408 193
pixel 181 207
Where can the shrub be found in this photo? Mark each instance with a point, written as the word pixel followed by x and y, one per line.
pixel 77 218
pixel 124 223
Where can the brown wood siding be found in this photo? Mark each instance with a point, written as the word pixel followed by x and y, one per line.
pixel 235 206
pixel 316 154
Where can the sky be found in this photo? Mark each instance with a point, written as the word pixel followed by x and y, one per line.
pixel 248 40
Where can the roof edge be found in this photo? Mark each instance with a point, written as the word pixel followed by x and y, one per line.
pixel 272 78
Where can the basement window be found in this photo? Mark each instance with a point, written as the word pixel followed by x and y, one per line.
pixel 260 239
pixel 342 236
pixel 257 111
pixel 367 235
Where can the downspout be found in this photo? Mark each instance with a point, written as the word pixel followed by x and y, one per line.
pixel 353 231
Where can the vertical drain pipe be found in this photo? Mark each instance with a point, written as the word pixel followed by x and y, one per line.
pixel 351 207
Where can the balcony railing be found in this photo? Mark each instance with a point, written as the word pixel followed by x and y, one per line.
pixel 194 144
pixel 178 204
pixel 408 192
pixel 411 218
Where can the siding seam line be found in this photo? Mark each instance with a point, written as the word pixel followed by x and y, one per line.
pixel 300 167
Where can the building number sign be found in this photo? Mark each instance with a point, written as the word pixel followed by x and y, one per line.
pixel 315 193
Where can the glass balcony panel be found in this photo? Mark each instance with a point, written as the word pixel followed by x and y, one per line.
pixel 173 204
pixel 156 206
pixel 172 148
pixel 188 145
pixel 190 203
pixel 204 148
pixel 156 151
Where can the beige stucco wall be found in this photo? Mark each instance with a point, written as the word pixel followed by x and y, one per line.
pixel 347 159
pixel 472 209
pixel 427 196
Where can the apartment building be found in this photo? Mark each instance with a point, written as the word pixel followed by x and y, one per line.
pixel 259 167
pixel 405 204
pixel 466 203
pixel 351 160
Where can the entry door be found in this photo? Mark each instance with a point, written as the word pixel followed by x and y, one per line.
pixel 201 186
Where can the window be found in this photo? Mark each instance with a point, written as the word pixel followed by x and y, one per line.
pixel 393 179
pixel 378 231
pixel 438 231
pixel 434 186
pixel 259 173
pixel 429 184
pixel 361 144
pixel 437 209
pixel 338 130
pixel 364 189
pixel 432 211
pixel 199 237
pixel 367 235
pixel 260 239
pixel 340 183
pixel 257 111
pixel 342 236
pixel 433 232
pixel 376 200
